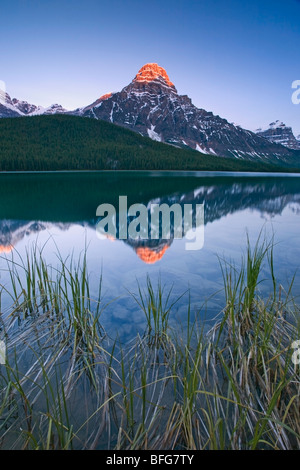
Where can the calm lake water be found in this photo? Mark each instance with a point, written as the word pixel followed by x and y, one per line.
pixel 58 211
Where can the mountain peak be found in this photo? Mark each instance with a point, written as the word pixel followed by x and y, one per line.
pixel 279 133
pixel 276 124
pixel 151 106
pixel 150 72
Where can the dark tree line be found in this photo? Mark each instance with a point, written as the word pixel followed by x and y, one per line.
pixel 62 142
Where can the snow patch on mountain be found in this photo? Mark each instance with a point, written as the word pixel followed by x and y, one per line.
pixel 152 134
pixel 201 149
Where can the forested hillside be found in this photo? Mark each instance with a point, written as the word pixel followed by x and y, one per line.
pixel 62 142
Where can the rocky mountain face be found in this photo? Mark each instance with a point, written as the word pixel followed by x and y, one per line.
pixel 279 133
pixel 7 107
pixel 25 108
pixel 151 106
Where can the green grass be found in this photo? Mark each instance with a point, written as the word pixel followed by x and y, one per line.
pixel 52 143
pixel 66 384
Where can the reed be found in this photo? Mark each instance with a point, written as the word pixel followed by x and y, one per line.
pixel 228 384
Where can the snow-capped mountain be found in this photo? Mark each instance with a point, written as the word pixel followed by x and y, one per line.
pixel 279 133
pixel 54 109
pixel 7 107
pixel 25 108
pixel 16 108
pixel 151 105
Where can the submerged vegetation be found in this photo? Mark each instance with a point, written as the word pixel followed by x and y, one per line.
pixel 65 384
pixel 62 142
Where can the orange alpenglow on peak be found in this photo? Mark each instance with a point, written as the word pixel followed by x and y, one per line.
pixel 105 97
pixel 150 256
pixel 6 248
pixel 150 72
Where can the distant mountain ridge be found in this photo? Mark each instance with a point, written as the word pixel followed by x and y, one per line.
pixel 279 133
pixel 16 108
pixel 151 106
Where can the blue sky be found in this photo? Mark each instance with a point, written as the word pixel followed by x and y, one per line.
pixel 237 59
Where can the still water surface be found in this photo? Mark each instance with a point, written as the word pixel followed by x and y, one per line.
pixel 58 211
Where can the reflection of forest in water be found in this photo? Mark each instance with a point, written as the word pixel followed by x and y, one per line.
pixel 33 203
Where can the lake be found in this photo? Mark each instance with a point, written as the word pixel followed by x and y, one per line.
pixel 58 212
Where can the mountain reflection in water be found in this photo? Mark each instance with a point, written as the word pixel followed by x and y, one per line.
pixel 34 203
